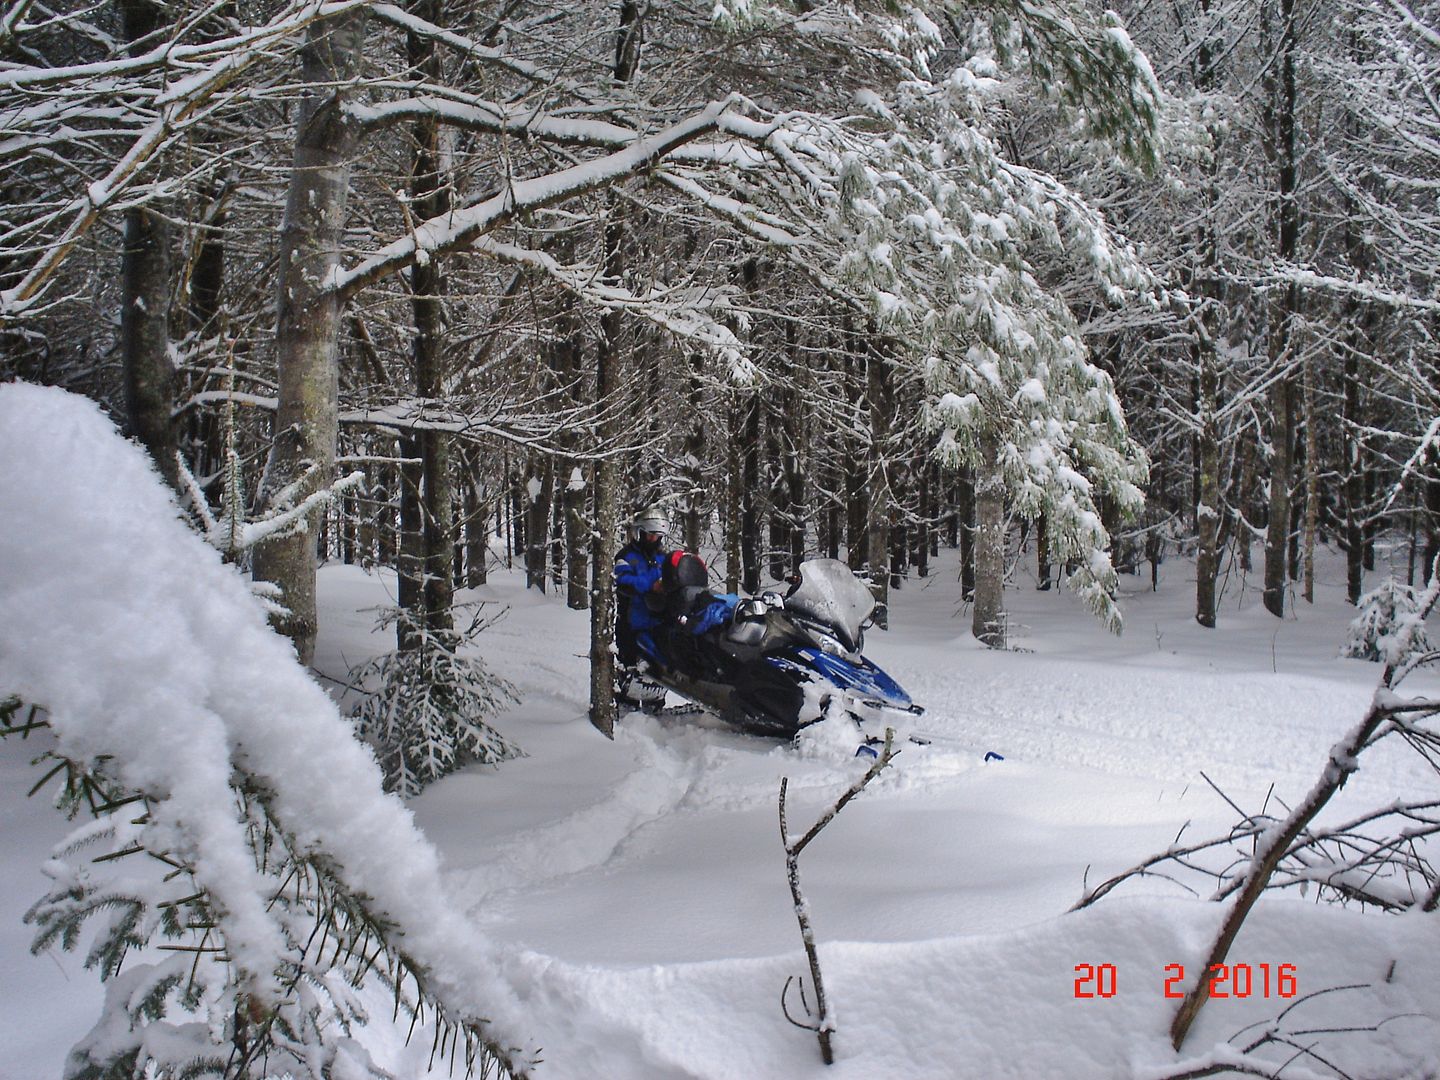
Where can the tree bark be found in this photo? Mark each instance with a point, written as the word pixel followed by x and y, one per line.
pixel 145 339
pixel 734 482
pixel 1312 484
pixel 965 529
pixel 149 375
pixel 410 540
pixel 693 516
pixel 879 498
pixel 1277 536
pixel 307 322
pixel 750 494
pixel 988 617
pixel 539 494
pixel 430 196
pixel 1207 380
pixel 609 371
pixel 477 533
pixel 1281 150
pixel 609 377
pixel 1207 503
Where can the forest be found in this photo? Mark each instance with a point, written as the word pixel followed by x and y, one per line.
pixel 429 284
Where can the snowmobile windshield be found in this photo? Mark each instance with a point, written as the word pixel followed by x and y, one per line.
pixel 830 594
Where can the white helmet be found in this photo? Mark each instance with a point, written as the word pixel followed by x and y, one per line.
pixel 650 520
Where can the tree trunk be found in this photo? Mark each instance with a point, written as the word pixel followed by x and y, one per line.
pixel 734 482
pixel 1430 484
pixel 856 497
pixel 1205 278
pixel 1281 150
pixel 749 494
pixel 609 378
pixel 410 550
pixel 879 497
pixel 988 617
pixel 693 517
pixel 539 494
pixel 149 375
pixel 577 596
pixel 1042 554
pixel 307 321
pixel 1353 448
pixel 965 526
pixel 477 534
pixel 921 553
pixel 145 340
pixel 1277 537
pixel 1207 503
pixel 1312 483
pixel 791 424
pixel 430 195
pixel 609 372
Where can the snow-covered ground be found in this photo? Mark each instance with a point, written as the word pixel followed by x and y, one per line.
pixel 639 884
pixel 650 872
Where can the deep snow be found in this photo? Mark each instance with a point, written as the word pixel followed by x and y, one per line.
pixel 637 888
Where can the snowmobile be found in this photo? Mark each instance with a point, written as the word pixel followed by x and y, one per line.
pixel 783 661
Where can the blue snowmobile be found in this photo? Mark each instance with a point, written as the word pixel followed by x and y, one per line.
pixel 779 661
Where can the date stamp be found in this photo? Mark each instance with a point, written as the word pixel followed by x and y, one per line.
pixel 1226 980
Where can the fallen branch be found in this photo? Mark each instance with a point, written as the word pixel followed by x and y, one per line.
pixel 824 1026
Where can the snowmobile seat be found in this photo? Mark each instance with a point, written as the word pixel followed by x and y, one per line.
pixel 746 631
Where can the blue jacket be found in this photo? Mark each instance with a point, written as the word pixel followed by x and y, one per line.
pixel 636 573
pixel 718 612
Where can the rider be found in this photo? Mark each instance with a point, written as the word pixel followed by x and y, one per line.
pixel 637 574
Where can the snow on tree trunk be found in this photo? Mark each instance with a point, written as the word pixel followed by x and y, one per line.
pixel 307 321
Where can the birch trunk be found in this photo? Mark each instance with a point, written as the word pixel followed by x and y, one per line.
pixel 307 317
